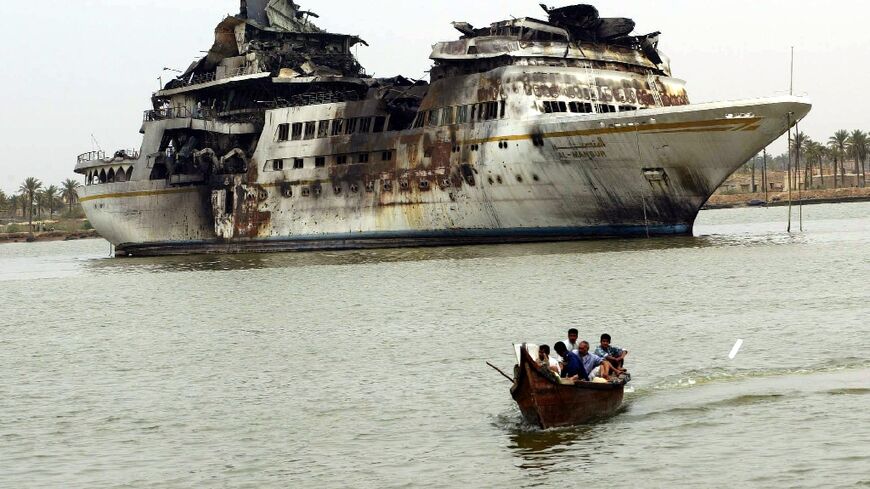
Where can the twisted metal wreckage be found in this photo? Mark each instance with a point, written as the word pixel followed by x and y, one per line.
pixel 529 130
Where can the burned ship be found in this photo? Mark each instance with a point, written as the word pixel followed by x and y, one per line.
pixel 527 130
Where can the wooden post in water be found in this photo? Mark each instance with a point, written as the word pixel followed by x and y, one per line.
pixel 764 174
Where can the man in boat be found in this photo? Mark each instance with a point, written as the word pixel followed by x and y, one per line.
pixel 595 365
pixel 571 342
pixel 572 366
pixel 545 361
pixel 614 355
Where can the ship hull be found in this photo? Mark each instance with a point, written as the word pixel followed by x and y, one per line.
pixel 544 179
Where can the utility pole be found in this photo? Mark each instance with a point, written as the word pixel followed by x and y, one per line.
pixel 764 174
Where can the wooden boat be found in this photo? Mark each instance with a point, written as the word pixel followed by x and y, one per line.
pixel 548 403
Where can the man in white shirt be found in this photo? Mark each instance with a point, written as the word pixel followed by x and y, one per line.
pixel 548 362
pixel 571 343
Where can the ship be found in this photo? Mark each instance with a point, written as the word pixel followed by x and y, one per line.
pixel 565 127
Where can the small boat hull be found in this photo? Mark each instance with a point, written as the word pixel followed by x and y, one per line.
pixel 548 404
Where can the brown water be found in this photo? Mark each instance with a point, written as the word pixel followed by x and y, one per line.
pixel 366 369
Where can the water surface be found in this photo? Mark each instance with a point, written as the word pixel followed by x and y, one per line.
pixel 366 369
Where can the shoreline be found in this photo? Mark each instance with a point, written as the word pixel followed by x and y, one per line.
pixel 780 199
pixel 47 236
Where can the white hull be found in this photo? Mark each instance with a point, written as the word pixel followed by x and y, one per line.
pixel 633 173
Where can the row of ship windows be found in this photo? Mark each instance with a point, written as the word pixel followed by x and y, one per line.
pixel 461 114
pixel 554 106
pixel 320 161
pixel 335 127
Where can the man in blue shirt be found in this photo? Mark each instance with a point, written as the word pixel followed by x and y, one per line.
pixel 594 365
pixel 614 355
pixel 572 369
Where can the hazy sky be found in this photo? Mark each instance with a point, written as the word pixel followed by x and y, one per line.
pixel 82 67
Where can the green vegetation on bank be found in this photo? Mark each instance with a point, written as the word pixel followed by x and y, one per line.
pixel 37 207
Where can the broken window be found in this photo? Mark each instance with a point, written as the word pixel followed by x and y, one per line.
pixel 319 162
pixel 387 156
pixel 606 108
pixel 283 132
pixel 502 109
pixel 447 116
pixel 277 165
pixel 323 129
pixel 350 126
pixel 462 115
pixel 380 123
pixel 341 160
pixel 337 127
pixel 298 163
pixel 297 131
pixel 418 121
pixel 580 107
pixel 473 113
pixel 363 158
pixel 310 129
pixel 627 108
pixel 365 125
pixel 432 118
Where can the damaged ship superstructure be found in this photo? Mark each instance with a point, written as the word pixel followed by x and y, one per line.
pixel 529 130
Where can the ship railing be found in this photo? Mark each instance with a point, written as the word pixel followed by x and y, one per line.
pixel 212 76
pixel 169 113
pixel 91 156
pixel 317 98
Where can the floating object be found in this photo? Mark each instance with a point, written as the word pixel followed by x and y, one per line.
pixel 735 350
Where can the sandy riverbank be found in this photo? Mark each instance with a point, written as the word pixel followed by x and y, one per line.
pixel 830 196
pixel 47 236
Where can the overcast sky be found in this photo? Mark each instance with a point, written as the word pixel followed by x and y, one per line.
pixel 82 67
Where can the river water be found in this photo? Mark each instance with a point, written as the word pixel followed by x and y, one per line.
pixel 366 369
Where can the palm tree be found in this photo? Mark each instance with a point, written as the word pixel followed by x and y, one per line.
pixel 13 206
pixel 51 194
pixel 29 188
pixel 68 190
pixel 814 154
pixel 838 143
pixel 798 145
pixel 858 146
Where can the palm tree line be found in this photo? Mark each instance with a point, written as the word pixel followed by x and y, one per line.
pixel 844 153
pixel 36 200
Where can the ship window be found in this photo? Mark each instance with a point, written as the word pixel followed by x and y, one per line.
pixel 386 156
pixel 370 187
pixel 462 116
pixel 606 109
pixel 627 108
pixel 473 113
pixel 277 165
pixel 310 129
pixel 283 132
pixel 447 116
pixel 380 123
pixel 365 125
pixel 432 117
pixel 502 109
pixel 323 129
pixel 297 131
pixel 350 126
pixel 229 201
pixel 480 111
pixel 580 107
pixel 363 158
pixel 563 107
pixel 306 191
pixel 337 126
pixel 548 107
pixel 298 163
pixel 130 173
pixel 341 160
pixel 418 121
pixel 319 162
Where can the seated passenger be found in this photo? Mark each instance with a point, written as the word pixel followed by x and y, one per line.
pixel 614 355
pixel 595 365
pixel 548 362
pixel 572 366
pixel 571 342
